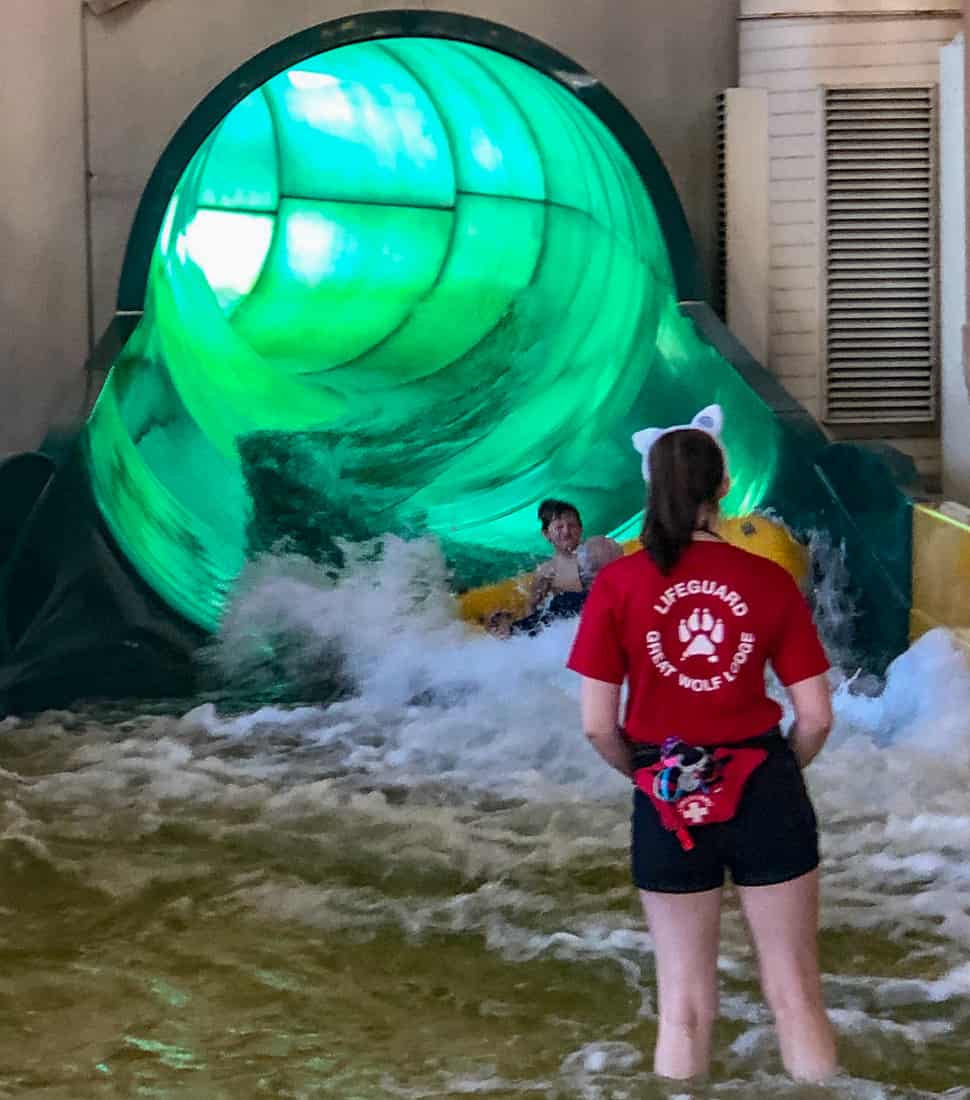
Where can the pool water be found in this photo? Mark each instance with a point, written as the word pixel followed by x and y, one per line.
pixel 419 888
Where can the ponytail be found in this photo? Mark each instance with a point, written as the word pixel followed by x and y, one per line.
pixel 686 471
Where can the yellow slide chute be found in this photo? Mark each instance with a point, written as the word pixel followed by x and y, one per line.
pixel 760 535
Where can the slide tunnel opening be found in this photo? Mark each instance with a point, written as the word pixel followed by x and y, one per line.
pixel 409 284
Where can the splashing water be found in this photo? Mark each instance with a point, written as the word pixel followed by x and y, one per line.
pixel 413 882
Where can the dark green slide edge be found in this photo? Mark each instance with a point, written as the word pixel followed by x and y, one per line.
pixel 77 621
pixel 859 495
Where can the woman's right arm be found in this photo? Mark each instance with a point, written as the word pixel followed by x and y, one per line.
pixel 599 657
pixel 600 705
pixel 812 701
pixel 801 664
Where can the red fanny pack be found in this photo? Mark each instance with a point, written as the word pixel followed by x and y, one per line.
pixel 690 786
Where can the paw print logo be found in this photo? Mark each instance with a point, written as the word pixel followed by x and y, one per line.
pixel 701 633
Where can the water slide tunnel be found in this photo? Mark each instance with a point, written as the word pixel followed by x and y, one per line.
pixel 407 272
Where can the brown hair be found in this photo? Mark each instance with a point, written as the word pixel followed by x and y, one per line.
pixel 552 509
pixel 686 471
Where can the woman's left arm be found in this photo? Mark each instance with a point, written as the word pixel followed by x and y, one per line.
pixel 600 702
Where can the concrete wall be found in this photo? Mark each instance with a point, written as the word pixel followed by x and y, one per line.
pixel 790 50
pixel 747 227
pixel 953 275
pixel 966 191
pixel 149 62
pixel 642 49
pixel 43 284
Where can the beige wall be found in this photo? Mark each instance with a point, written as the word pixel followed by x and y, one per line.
pixel 43 284
pixel 953 274
pixel 746 226
pixel 150 63
pixel 642 49
pixel 790 50
pixel 966 191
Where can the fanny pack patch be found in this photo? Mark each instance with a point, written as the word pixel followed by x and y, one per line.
pixel 691 786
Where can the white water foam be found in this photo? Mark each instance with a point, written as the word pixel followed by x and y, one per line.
pixel 457 759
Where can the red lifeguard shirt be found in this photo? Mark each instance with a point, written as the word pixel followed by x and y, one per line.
pixel 693 644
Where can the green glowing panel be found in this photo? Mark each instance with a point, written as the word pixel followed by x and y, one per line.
pixel 240 169
pixel 491 139
pixel 493 251
pixel 230 248
pixel 342 277
pixel 355 124
pixel 410 286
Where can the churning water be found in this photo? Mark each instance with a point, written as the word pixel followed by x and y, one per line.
pixel 418 887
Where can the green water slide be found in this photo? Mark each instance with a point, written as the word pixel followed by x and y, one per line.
pixel 406 273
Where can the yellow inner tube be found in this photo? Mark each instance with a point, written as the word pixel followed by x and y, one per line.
pixel 768 538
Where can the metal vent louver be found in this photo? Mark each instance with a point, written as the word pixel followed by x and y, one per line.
pixel 880 243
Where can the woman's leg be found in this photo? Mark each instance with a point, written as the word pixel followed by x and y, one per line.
pixel 686 933
pixel 784 923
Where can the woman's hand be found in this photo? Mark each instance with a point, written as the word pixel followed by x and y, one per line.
pixel 600 702
pixel 812 700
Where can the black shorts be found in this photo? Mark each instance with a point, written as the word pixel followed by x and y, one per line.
pixel 772 838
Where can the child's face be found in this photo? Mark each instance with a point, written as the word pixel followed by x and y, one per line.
pixel 565 532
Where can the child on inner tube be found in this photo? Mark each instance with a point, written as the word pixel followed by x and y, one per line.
pixel 561 584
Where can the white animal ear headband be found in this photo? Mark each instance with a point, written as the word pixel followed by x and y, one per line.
pixel 710 420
